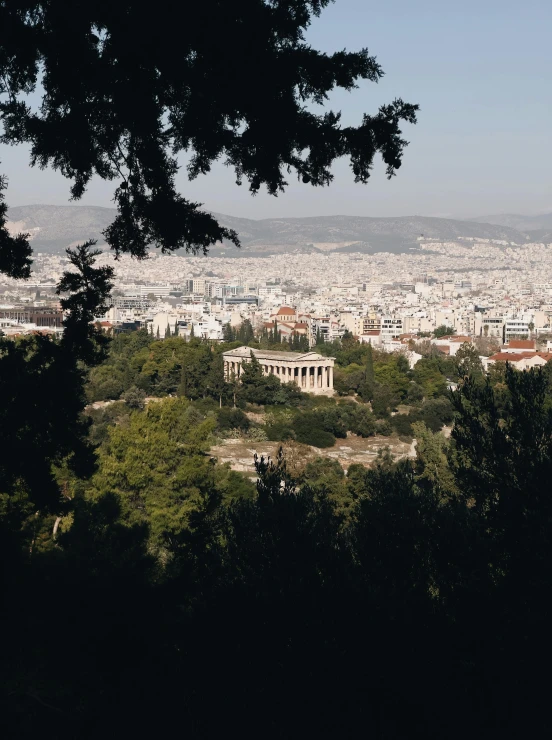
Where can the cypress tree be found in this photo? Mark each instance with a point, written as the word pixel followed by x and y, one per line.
pixel 370 377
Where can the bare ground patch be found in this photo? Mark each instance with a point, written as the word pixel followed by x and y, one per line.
pixel 239 452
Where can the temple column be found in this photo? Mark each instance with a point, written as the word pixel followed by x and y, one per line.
pixel 331 377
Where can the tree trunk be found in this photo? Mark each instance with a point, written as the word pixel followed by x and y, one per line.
pixel 56 527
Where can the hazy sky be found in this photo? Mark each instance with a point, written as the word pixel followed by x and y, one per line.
pixel 481 71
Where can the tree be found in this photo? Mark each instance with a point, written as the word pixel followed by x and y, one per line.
pixel 167 332
pixel 135 398
pixel 443 331
pixel 427 373
pixel 431 465
pixel 184 75
pixel 228 333
pixel 216 384
pixel 245 332
pixel 468 360
pixel 370 376
pixel 156 468
pixel 42 388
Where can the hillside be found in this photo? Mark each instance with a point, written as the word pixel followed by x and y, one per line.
pixel 53 228
pixel 521 223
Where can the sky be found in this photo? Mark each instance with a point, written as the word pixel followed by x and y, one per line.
pixel 481 71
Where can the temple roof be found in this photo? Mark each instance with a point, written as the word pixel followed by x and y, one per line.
pixel 262 354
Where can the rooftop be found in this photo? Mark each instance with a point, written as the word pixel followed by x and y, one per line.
pixel 521 344
pixel 286 311
pixel 261 354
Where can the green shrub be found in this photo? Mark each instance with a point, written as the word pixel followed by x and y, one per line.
pixel 333 420
pixel 232 419
pixel 402 425
pixel 315 437
pixel 384 428
pixel 435 413
pixel 362 421
pixel 278 432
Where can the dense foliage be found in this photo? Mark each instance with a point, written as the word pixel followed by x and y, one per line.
pixel 416 592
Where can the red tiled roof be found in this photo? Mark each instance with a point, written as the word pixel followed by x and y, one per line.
pixel 460 339
pixel 521 344
pixel 512 356
pixel 285 311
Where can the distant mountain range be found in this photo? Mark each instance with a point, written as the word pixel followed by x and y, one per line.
pixel 521 223
pixel 53 228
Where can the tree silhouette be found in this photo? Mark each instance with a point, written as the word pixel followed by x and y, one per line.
pixel 42 388
pixel 195 95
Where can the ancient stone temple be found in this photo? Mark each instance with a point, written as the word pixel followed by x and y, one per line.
pixel 313 373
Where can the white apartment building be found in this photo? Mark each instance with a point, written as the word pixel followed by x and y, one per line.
pixel 489 326
pixel 516 329
pixel 159 291
pixel 391 328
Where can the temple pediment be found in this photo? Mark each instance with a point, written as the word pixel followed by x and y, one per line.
pixel 312 372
